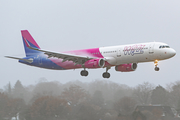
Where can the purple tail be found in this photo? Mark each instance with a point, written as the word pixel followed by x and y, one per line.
pixel 26 36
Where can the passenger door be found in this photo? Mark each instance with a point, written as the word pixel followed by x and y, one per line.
pixel 151 48
pixel 119 52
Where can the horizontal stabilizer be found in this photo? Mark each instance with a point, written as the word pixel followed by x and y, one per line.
pixel 26 60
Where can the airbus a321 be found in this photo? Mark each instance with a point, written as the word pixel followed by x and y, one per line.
pixel 124 57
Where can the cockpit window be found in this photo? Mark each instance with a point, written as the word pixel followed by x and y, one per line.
pixel 164 46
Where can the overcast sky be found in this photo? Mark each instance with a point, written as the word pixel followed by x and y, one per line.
pixel 62 25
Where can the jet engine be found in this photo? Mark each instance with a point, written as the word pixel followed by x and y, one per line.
pixel 126 67
pixel 95 63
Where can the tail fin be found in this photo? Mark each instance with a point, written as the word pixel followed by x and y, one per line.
pixel 26 36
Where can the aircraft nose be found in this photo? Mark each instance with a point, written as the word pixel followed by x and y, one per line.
pixel 173 52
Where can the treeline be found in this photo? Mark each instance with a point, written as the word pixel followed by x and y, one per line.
pixel 97 100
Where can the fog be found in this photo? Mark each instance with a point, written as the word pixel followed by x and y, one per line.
pixel 86 100
pixel 65 25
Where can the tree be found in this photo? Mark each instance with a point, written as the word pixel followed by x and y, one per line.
pixel 18 91
pixel 8 89
pixel 26 113
pixel 159 96
pixel 74 95
pixel 107 88
pixel 49 107
pixel 87 111
pixel 10 107
pixel 3 105
pixel 15 106
pixel 97 98
pixel 125 106
pixel 46 89
pixel 142 93
pixel 178 105
pixel 174 96
pixel 122 92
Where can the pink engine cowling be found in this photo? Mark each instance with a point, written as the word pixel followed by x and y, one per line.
pixel 126 67
pixel 94 63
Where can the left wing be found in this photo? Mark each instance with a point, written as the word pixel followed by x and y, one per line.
pixel 77 59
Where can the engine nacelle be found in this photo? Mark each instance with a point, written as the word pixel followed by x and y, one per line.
pixel 126 67
pixel 95 63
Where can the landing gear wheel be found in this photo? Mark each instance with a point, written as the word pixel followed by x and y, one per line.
pixel 84 73
pixel 156 65
pixel 106 75
pixel 156 68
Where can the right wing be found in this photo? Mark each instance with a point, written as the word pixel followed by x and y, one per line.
pixel 77 59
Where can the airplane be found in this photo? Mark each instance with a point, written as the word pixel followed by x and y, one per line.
pixel 123 57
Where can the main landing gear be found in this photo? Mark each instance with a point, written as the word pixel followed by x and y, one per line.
pixel 84 73
pixel 156 63
pixel 106 74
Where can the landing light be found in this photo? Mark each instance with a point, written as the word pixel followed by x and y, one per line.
pixel 156 62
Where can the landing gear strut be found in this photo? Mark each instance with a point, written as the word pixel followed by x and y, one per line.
pixel 106 74
pixel 84 73
pixel 156 67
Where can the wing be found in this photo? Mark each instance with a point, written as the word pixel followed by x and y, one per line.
pixel 77 59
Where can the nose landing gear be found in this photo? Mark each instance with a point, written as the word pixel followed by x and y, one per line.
pixel 106 74
pixel 156 63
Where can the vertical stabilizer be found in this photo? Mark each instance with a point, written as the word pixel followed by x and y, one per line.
pixel 26 36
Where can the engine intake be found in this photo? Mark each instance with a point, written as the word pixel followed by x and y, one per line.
pixel 126 67
pixel 95 63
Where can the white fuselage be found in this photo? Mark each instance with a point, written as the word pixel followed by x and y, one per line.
pixel 136 53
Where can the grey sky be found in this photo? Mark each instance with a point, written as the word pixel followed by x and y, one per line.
pixel 78 24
